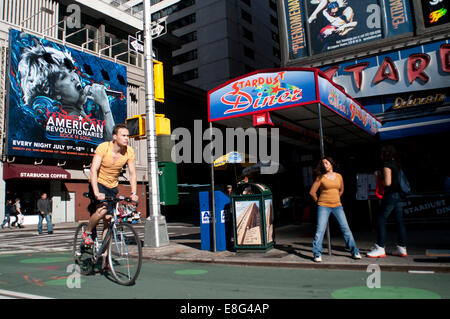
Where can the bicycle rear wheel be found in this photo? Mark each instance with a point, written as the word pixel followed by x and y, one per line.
pixel 83 256
pixel 125 254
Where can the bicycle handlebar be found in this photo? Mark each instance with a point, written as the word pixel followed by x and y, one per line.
pixel 112 199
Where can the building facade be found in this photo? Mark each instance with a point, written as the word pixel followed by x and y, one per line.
pixel 45 147
pixel 220 39
pixel 393 57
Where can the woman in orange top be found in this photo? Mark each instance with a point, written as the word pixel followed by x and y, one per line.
pixel 331 186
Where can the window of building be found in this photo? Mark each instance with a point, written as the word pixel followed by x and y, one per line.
pixel 186 76
pixel 276 52
pixel 177 24
pixel 273 5
pixel 248 68
pixel 247 34
pixel 275 37
pixel 249 53
pixel 247 2
pixel 172 9
pixel 246 16
pixel 274 20
pixel 185 57
pixel 188 37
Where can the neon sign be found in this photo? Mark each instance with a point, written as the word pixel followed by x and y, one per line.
pixel 436 15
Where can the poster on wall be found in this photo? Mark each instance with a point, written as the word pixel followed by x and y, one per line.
pixel 62 102
pixel 336 24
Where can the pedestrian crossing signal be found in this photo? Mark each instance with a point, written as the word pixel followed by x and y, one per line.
pixel 136 126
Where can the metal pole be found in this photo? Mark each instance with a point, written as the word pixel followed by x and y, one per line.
pixel 156 234
pixel 213 195
pixel 322 154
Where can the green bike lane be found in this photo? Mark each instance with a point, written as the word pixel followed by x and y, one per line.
pixel 52 275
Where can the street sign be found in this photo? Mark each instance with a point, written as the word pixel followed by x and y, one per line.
pixel 159 28
pixel 135 45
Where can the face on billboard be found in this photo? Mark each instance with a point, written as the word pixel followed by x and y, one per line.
pixel 336 24
pixel 60 100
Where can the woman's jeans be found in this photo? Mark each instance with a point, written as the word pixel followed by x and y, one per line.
pixel 391 202
pixel 48 219
pixel 323 214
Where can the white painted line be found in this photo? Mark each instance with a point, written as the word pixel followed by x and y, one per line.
pixel 420 272
pixel 14 294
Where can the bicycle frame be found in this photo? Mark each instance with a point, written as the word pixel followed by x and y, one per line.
pixel 107 238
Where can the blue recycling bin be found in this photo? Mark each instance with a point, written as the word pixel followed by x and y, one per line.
pixel 223 225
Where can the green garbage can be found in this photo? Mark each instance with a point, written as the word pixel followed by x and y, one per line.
pixel 252 212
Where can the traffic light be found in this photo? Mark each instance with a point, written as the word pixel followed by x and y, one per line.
pixel 136 125
pixel 158 79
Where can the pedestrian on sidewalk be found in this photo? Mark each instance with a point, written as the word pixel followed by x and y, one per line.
pixel 391 202
pixel 8 208
pixel 44 206
pixel 16 212
pixel 331 186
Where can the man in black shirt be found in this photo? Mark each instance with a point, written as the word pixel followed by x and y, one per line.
pixel 44 206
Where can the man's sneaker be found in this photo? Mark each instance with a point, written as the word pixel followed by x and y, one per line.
pixel 87 239
pixel 377 252
pixel 400 251
pixel 356 256
pixel 317 259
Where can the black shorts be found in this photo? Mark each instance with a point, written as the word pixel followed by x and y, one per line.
pixel 109 192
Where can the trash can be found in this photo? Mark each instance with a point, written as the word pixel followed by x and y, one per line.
pixel 252 212
pixel 223 222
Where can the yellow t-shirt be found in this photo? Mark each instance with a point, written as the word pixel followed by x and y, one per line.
pixel 109 172
pixel 329 191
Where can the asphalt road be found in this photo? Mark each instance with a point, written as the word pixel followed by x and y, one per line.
pixel 50 275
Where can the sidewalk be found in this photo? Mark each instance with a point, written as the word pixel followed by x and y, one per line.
pixel 293 245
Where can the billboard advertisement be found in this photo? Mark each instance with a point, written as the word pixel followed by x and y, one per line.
pixel 326 25
pixel 62 102
pixel 295 29
pixel 338 24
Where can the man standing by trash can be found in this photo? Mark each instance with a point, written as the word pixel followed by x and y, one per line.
pixel 44 206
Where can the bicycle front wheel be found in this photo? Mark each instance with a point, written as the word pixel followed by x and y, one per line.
pixel 125 254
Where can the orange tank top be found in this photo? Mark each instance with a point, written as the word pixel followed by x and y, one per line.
pixel 329 191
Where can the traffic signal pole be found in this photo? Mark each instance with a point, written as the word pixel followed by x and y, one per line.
pixel 156 234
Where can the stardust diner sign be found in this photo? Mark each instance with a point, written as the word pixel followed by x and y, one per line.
pixel 273 90
pixel 259 92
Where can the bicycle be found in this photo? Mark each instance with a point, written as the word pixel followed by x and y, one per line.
pixel 118 246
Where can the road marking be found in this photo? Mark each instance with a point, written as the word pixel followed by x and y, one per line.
pixel 7 294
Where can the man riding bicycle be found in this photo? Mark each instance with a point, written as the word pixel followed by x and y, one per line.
pixel 109 159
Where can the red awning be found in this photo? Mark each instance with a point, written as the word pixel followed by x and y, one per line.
pixel 23 171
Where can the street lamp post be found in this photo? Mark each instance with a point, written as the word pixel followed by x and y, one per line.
pixel 156 234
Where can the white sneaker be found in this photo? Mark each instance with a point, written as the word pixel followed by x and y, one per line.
pixel 400 251
pixel 377 252
pixel 318 259
pixel 356 256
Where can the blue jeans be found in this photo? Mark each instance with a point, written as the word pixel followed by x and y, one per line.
pixel 323 214
pixel 391 202
pixel 48 219
pixel 6 220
